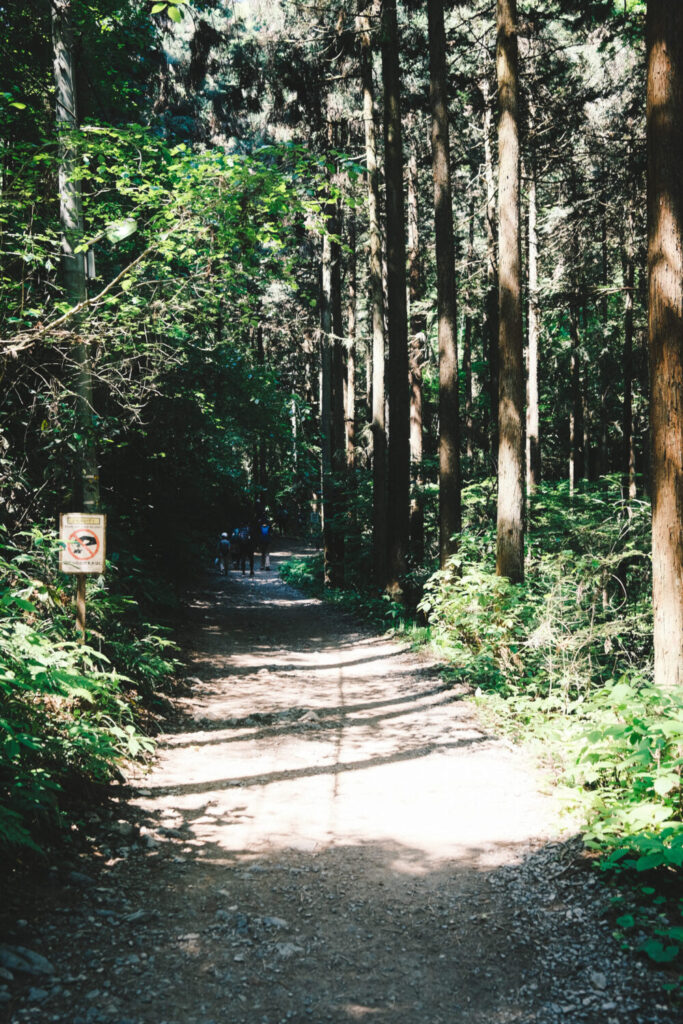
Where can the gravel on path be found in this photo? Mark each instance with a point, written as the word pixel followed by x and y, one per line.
pixel 327 834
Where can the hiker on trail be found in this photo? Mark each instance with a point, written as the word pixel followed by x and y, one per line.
pixel 242 548
pixel 263 532
pixel 223 554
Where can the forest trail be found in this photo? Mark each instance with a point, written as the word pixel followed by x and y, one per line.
pixel 328 834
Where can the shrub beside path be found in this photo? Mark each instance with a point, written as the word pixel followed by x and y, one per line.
pixel 327 834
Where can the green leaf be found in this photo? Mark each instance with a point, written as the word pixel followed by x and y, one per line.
pixel 658 952
pixel 174 14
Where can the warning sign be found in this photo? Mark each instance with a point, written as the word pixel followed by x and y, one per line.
pixel 82 537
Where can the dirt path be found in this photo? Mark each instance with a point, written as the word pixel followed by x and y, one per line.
pixel 328 835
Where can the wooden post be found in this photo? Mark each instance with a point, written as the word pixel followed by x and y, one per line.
pixel 80 605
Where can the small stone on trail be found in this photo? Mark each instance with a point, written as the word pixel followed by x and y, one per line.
pixel 25 961
pixel 78 878
pixel 310 716
pixel 37 995
pixel 275 922
pixel 598 980
pixel 287 949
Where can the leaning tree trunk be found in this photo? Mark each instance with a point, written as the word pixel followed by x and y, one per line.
pixel 510 526
pixel 449 419
pixel 397 310
pixel 379 436
pixel 664 35
pixel 72 228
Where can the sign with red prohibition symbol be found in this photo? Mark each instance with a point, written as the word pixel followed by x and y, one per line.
pixel 82 547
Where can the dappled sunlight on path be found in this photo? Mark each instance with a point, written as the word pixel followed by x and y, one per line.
pixel 327 735
pixel 327 835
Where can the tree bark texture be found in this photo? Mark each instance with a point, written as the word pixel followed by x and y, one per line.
pixel 491 311
pixel 350 396
pixel 603 441
pixel 416 359
pixel 397 307
pixel 576 410
pixel 533 441
pixel 664 34
pixel 72 230
pixel 332 404
pixel 628 467
pixel 467 341
pixel 379 437
pixel 510 523
pixel 449 418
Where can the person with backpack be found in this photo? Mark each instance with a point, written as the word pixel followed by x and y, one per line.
pixel 223 554
pixel 264 537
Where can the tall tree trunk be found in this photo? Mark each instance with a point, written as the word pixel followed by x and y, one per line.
pixel 533 442
pixel 350 401
pixel 379 437
pixel 397 312
pixel 338 411
pixel 664 34
pixel 416 359
pixel 326 421
pixel 72 229
pixel 628 468
pixel 331 402
pixel 510 526
pixel 491 309
pixel 575 412
pixel 449 419
pixel 261 475
pixel 467 340
pixel 603 443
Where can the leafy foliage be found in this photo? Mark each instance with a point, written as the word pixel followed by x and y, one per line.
pixel 69 713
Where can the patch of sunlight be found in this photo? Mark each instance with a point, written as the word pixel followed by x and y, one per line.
pixel 409 867
pixel 358 1012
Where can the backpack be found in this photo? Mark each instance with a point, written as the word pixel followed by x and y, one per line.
pixel 265 531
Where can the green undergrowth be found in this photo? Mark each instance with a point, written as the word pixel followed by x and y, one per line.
pixel 70 713
pixel 564 662
pixel 374 608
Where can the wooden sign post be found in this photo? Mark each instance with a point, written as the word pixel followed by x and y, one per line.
pixel 82 552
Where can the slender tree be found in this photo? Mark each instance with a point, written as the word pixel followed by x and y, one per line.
pixel 379 437
pixel 491 304
pixel 397 309
pixel 449 420
pixel 533 444
pixel 665 270
pixel 72 229
pixel 416 356
pixel 510 527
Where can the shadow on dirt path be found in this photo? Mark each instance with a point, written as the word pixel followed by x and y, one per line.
pixel 328 834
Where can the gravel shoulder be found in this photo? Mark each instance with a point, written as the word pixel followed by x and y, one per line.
pixel 327 834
